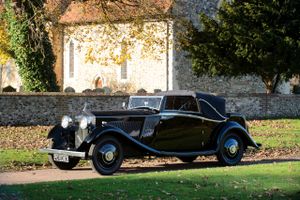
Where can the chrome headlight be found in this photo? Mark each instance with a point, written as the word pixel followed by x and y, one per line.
pixel 66 121
pixel 85 121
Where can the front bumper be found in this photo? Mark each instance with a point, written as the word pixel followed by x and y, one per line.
pixel 63 152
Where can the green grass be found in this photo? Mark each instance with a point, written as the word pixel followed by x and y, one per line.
pixel 21 159
pixel 284 133
pixel 264 181
pixel 19 147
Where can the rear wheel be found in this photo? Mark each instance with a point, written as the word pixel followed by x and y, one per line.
pixel 187 159
pixel 231 150
pixel 73 161
pixel 107 155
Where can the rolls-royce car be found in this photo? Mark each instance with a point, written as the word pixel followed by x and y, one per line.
pixel 182 124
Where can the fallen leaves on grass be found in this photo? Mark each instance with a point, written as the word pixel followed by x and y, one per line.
pixel 274 124
pixel 23 166
pixel 29 137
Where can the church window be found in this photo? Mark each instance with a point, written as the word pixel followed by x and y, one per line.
pixel 124 70
pixel 99 82
pixel 71 59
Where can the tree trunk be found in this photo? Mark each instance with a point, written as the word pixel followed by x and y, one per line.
pixel 275 84
pixel 269 89
pixel 271 83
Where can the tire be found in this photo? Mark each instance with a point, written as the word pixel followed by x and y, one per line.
pixel 231 150
pixel 187 159
pixel 73 161
pixel 107 155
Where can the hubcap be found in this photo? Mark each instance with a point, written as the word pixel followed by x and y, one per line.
pixel 108 153
pixel 109 156
pixel 231 146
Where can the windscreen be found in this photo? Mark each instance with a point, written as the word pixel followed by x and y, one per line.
pixel 141 101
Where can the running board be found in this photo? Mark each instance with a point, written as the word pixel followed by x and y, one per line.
pixel 188 154
pixel 63 152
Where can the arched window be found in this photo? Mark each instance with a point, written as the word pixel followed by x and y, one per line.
pixel 124 70
pixel 124 63
pixel 71 59
pixel 98 82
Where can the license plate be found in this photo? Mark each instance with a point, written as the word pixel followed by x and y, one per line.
pixel 60 158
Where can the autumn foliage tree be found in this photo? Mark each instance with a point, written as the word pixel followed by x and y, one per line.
pixel 5 52
pixel 257 37
pixel 30 45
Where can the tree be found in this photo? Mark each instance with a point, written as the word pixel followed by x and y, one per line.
pixel 30 44
pixel 5 52
pixel 257 37
pixel 26 22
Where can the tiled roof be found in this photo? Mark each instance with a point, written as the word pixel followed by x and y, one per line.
pixel 91 11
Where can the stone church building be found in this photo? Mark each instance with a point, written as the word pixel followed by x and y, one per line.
pixel 82 41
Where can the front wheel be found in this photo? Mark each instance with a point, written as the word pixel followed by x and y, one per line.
pixel 231 150
pixel 107 155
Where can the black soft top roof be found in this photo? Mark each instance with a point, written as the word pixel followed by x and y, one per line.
pixel 208 102
pixel 177 93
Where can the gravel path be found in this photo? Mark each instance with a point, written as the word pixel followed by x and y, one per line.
pixel 130 166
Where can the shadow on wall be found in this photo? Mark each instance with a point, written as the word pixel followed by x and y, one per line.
pixel 9 89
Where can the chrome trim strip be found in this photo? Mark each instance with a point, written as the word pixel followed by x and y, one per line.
pixel 125 116
pixel 63 152
pixel 191 116
pixel 213 108
pixel 163 114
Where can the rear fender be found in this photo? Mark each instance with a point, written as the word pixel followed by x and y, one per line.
pixel 235 127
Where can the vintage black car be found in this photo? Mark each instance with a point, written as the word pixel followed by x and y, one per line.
pixel 183 124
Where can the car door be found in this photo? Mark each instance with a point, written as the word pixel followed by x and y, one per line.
pixel 181 128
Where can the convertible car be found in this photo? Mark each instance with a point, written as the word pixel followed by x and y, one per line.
pixel 183 124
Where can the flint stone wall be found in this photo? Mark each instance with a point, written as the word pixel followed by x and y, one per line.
pixel 48 108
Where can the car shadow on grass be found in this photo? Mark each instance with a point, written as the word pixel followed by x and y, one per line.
pixel 172 166
pixel 196 165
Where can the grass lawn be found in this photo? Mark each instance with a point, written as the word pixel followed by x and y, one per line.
pixel 21 159
pixel 19 145
pixel 264 181
pixel 283 133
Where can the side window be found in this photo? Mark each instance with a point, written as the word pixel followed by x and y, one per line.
pixel 182 103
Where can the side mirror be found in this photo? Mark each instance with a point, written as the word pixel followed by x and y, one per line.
pixel 124 106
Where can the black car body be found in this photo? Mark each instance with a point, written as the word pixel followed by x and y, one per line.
pixel 183 124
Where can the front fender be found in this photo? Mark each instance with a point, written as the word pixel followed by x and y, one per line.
pixel 100 131
pixel 232 126
pixel 58 136
pixel 55 133
pixel 117 132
